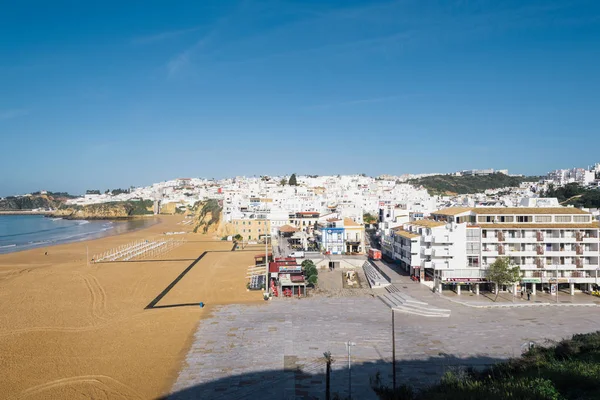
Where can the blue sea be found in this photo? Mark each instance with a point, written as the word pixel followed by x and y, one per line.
pixel 24 232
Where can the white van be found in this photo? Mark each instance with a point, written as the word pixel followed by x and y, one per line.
pixel 297 254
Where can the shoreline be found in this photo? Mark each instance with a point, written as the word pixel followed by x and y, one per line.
pixel 24 212
pixel 92 236
pixel 56 306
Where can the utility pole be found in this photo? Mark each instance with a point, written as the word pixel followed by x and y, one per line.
pixel 349 344
pixel 328 361
pixel 556 265
pixel 393 352
pixel 266 260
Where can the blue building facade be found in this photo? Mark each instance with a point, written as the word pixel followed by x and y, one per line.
pixel 333 240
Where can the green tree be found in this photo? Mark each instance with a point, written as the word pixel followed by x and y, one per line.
pixel 283 182
pixel 310 272
pixel 293 181
pixel 502 272
pixel 369 219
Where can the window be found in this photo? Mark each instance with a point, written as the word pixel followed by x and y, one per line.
pixel 472 235
pixel 562 218
pixel 543 218
pixel 506 219
pixel 473 261
pixel 473 247
pixel 524 218
pixel 581 218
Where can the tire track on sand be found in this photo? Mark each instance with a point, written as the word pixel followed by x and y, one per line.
pixel 112 387
pixel 98 296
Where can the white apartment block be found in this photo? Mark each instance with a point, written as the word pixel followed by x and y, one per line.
pixel 456 246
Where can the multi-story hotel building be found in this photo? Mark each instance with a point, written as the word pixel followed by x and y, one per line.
pixel 456 246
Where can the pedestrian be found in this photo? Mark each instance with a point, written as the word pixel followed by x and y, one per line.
pixel 528 294
pixel 522 292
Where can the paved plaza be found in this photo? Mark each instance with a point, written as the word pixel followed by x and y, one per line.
pixel 275 350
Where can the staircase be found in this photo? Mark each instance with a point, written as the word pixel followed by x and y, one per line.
pixel 402 302
pixel 376 280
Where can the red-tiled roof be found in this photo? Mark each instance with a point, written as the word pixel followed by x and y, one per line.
pixel 262 255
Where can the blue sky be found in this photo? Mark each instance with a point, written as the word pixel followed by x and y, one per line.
pixel 109 94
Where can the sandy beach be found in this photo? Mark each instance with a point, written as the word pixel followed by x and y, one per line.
pixel 70 330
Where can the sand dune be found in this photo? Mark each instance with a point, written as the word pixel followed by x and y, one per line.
pixel 70 330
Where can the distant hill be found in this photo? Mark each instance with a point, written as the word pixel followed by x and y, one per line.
pixel 451 184
pixel 574 194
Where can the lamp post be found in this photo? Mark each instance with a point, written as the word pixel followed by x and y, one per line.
pixel 349 344
pixel 393 352
pixel 266 261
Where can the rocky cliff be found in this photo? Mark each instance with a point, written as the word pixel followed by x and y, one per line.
pixel 24 203
pixel 115 210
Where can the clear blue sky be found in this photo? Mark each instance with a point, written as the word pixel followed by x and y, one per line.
pixel 108 94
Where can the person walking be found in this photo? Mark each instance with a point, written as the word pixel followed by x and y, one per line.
pixel 528 294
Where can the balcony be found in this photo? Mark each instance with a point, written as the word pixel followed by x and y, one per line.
pixel 426 251
pixel 440 265
pixel 539 250
pixel 441 252
pixel 579 250
pixel 442 239
pixel 427 239
pixel 427 264
pixel 500 236
pixel 539 236
pixel 501 250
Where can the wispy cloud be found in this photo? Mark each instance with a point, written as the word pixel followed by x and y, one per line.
pixel 357 102
pixel 400 37
pixel 183 59
pixel 159 37
pixel 14 113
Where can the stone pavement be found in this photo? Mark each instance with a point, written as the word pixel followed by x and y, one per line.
pixel 486 300
pixel 275 350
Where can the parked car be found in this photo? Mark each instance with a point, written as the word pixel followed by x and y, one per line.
pixel 297 254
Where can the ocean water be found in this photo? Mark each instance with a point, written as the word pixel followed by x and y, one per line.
pixel 24 232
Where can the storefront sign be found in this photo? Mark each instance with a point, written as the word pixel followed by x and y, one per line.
pixel 560 280
pixel 531 280
pixel 469 280
pixel 290 269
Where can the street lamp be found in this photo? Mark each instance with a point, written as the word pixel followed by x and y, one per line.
pixel 348 345
pixel 266 262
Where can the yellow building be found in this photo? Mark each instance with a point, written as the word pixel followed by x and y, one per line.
pixel 251 228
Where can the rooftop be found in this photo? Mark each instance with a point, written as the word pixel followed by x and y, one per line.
pixel 405 234
pixel 427 223
pixel 593 225
pixel 452 211
pixel 350 222
pixel 288 229
pixel 528 210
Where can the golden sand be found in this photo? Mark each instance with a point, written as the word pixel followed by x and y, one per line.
pixel 69 330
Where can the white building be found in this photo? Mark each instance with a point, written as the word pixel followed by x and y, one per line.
pixel 549 244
